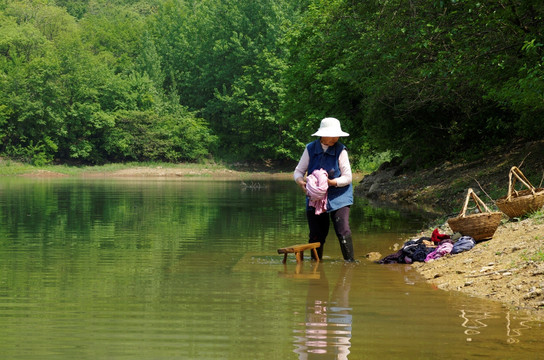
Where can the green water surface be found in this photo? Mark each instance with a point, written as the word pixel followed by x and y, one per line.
pixel 120 269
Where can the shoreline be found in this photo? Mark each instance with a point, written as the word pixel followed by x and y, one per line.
pixel 508 268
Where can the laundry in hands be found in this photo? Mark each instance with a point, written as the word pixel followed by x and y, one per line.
pixel 316 189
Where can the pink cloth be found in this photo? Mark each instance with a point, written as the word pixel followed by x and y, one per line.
pixel 316 189
pixel 440 251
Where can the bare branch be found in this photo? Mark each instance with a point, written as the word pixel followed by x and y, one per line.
pixel 522 161
pixel 481 188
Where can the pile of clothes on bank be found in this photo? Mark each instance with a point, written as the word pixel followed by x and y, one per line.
pixel 426 249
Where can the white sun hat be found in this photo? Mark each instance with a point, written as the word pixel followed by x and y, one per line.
pixel 330 127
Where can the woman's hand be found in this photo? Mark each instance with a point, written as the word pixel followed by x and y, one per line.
pixel 331 182
pixel 302 184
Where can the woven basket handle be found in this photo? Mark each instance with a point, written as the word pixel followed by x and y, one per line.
pixel 477 201
pixel 519 176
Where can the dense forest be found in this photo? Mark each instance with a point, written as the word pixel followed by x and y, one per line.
pixel 95 81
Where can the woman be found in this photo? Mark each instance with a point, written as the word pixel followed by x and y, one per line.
pixel 329 154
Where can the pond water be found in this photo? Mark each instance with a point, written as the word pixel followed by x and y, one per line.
pixel 121 269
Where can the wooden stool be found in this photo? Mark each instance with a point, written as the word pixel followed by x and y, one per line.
pixel 298 249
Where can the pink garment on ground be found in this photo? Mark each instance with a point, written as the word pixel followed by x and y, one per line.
pixel 440 251
pixel 316 189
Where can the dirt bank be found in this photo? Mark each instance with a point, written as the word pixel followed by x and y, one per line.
pixel 170 172
pixel 508 268
pixel 189 173
pixel 443 187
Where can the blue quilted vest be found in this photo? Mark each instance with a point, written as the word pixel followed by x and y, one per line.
pixel 337 197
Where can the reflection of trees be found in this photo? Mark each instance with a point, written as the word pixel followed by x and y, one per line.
pixel 111 214
pixel 59 224
pixel 327 330
pixel 377 219
pixel 120 214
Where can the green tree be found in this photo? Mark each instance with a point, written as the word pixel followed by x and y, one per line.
pixel 225 61
pixel 328 74
pixel 28 91
pixel 144 135
pixel 68 88
pixel 103 80
pixel 423 79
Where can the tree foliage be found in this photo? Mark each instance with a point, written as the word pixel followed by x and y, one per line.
pixel 66 87
pixel 225 60
pixel 426 79
pixel 183 80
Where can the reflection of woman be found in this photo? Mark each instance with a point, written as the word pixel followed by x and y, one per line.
pixel 329 154
pixel 327 330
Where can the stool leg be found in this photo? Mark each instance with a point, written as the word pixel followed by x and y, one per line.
pixel 298 256
pixel 315 254
pixel 284 258
pixel 298 268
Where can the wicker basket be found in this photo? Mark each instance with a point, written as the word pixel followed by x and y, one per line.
pixel 479 226
pixel 518 203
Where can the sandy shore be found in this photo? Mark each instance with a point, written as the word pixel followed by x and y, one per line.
pixel 508 268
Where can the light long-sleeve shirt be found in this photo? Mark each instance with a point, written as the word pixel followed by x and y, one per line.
pixel 343 163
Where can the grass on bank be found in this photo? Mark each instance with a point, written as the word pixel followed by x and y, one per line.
pixel 14 168
pixel 538 216
pixel 11 167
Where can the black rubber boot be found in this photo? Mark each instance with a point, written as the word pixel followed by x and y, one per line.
pixel 346 245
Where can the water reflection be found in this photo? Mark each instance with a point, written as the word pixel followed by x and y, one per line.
pixel 299 272
pixel 168 270
pixel 513 332
pixel 326 333
pixel 474 322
